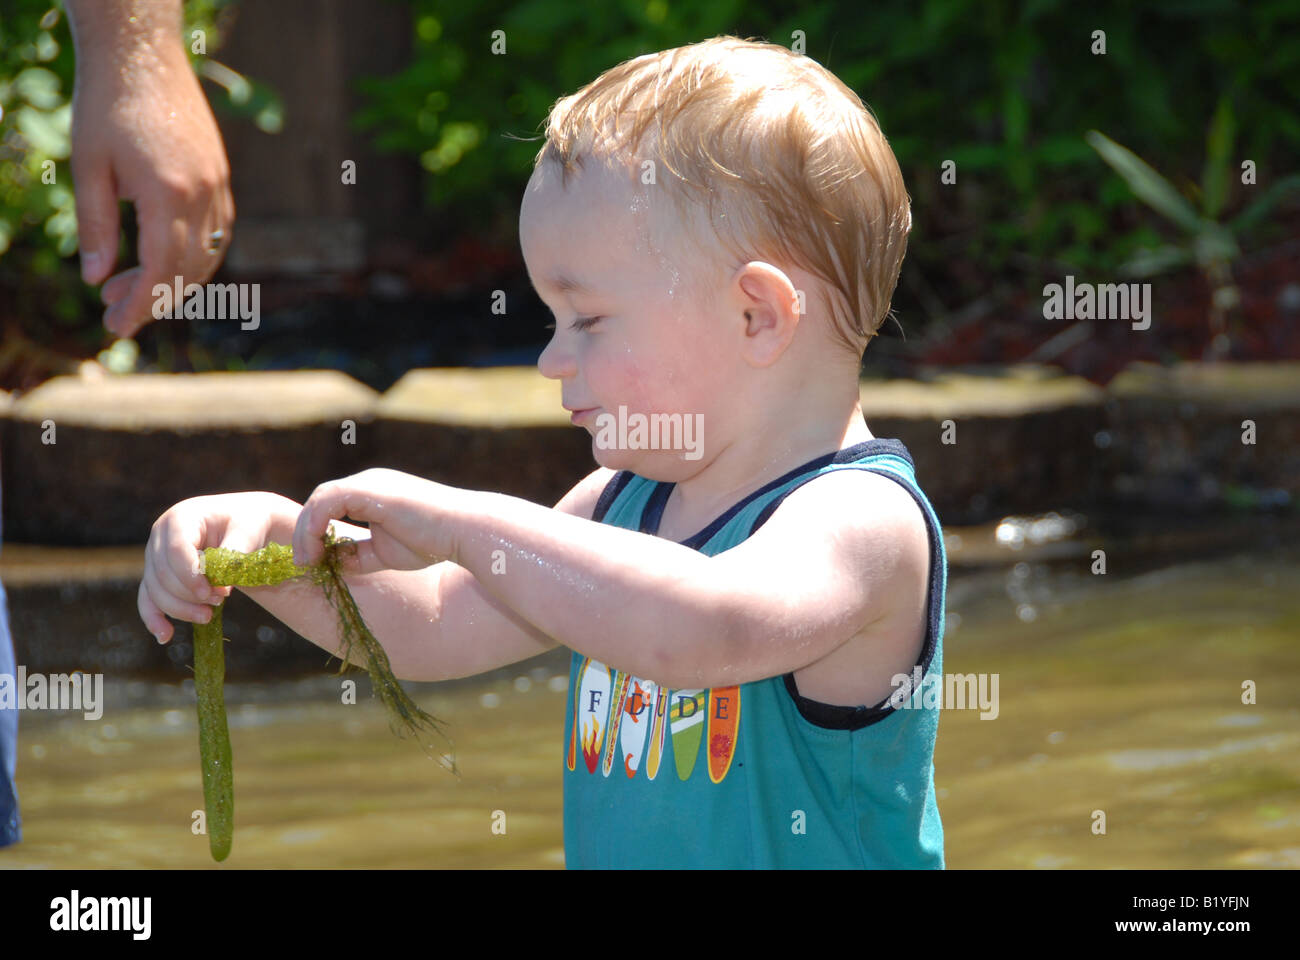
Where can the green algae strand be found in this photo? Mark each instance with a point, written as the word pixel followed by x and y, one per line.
pixel 272 565
pixel 214 735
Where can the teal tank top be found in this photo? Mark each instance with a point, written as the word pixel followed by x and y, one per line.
pixel 754 775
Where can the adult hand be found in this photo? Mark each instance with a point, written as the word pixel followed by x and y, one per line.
pixel 142 131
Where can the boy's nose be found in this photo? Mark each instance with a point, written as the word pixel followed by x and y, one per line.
pixel 556 362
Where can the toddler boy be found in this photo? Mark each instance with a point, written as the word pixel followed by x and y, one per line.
pixel 718 230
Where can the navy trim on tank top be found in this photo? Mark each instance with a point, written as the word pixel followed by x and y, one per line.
pixel 610 494
pixel 654 508
pixel 830 716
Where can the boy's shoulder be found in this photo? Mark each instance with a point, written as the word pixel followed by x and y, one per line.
pixel 852 502
pixel 866 537
pixel 581 500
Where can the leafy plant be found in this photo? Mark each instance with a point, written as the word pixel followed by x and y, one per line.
pixel 36 116
pixel 482 77
pixel 1003 88
pixel 1205 241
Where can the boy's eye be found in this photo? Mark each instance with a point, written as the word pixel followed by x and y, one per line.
pixel 581 323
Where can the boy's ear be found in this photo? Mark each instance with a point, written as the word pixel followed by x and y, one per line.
pixel 770 312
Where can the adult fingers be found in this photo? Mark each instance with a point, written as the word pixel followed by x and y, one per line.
pixel 207 240
pixel 195 270
pixel 163 235
pixel 220 222
pixel 118 286
pixel 97 217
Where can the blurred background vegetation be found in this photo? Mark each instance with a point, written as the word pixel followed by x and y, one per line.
pixel 1008 91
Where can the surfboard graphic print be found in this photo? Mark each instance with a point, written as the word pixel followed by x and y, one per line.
pixel 571 759
pixel 637 717
pixel 590 709
pixel 686 721
pixel 724 723
pixel 655 754
pixel 617 706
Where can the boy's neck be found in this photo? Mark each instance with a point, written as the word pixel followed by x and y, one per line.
pixel 752 461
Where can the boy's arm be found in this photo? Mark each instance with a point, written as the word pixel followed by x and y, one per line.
pixel 436 623
pixel 835 557
pixel 839 554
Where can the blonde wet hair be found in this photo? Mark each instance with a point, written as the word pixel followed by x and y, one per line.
pixel 787 162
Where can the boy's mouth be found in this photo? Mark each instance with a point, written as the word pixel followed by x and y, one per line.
pixel 579 413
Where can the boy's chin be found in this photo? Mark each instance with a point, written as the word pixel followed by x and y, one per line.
pixel 647 463
pixel 614 458
pixel 663 465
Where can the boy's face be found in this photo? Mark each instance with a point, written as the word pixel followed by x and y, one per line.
pixel 654 348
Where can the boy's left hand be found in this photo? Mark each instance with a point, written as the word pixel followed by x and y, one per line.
pixel 407 517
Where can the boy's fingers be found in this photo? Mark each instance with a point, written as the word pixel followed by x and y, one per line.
pixel 362 558
pixel 175 606
pixel 330 501
pixel 172 562
pixel 186 540
pixel 174 545
pixel 241 543
pixel 151 616
pixel 164 580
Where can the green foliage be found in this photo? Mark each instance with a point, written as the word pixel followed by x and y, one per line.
pixel 36 71
pixel 472 118
pixel 1005 88
pixel 38 223
pixel 1204 241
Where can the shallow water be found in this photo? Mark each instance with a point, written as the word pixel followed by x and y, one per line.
pixel 1119 694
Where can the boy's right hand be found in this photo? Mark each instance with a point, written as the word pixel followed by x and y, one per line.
pixel 172 584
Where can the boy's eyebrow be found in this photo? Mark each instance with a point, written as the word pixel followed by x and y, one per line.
pixel 567 283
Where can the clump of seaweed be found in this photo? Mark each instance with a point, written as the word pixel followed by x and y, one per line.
pixel 272 565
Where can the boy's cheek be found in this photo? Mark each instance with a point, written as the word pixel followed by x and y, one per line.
pixel 620 380
pixel 647 380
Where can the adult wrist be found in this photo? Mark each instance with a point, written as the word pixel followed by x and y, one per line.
pixel 112 37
